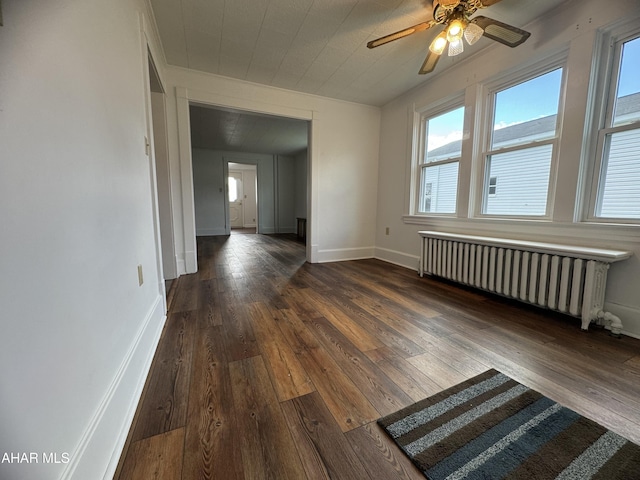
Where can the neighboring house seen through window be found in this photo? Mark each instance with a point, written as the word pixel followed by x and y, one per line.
pixel 521 146
pixel 438 165
pixel 618 153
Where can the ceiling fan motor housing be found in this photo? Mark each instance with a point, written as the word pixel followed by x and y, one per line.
pixel 443 9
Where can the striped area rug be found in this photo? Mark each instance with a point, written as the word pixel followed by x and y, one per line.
pixel 492 427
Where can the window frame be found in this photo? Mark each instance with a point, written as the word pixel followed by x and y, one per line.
pixel 607 73
pixel 421 117
pixel 484 139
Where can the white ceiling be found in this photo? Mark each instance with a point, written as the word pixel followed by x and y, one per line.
pixel 313 46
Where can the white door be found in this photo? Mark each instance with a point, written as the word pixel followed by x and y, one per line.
pixel 236 219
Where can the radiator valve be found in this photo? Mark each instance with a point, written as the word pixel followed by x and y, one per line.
pixel 610 320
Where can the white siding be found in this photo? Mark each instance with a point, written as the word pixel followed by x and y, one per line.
pixel 621 187
pixel 522 182
pixel 444 187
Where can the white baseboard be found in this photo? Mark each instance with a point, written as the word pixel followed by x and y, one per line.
pixel 180 265
pixel 398 258
pixel 344 254
pixel 210 232
pixel 101 445
pixel 191 261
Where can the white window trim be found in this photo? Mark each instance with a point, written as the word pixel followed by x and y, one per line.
pixel 605 79
pixel 420 115
pixel 489 89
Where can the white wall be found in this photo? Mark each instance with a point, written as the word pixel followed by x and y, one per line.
pixel 77 332
pixel 279 189
pixel 343 159
pixel 209 191
pixel 301 168
pixel 209 188
pixel 568 28
pixel 285 194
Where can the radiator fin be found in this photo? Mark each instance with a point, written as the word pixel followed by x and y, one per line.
pixel 550 281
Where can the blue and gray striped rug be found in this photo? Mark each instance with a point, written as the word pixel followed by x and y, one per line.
pixel 492 427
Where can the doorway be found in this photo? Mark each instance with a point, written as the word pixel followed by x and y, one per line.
pixel 235 188
pixel 201 151
pixel 242 187
pixel 160 152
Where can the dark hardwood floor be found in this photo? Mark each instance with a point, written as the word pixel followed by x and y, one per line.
pixel 270 367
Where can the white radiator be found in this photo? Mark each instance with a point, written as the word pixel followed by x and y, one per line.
pixel 568 279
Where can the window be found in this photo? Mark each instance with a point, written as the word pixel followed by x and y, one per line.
pixel 521 146
pixel 493 184
pixel 618 173
pixel 233 189
pixel 441 139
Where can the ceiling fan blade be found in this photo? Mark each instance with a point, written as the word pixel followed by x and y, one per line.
pixel 429 63
pixel 501 32
pixel 401 34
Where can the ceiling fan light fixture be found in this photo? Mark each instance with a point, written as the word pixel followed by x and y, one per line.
pixel 456 48
pixel 439 43
pixel 454 17
pixel 455 30
pixel 473 33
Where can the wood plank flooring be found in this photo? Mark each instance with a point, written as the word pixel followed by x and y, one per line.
pixel 269 367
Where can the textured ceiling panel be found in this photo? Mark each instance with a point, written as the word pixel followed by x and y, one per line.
pixel 311 46
pixel 226 130
pixel 314 46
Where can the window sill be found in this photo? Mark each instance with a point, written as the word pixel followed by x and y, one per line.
pixel 531 229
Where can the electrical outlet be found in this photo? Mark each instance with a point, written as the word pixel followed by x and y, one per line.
pixel 386 231
pixel 140 276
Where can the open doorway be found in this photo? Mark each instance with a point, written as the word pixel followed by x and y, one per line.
pixel 160 175
pixel 249 171
pixel 186 99
pixel 242 187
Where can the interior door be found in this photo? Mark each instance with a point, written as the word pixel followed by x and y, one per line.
pixel 236 218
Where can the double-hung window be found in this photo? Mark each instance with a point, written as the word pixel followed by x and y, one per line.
pixel 521 145
pixel 617 179
pixel 439 159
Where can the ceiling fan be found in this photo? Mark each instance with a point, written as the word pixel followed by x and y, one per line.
pixel 455 16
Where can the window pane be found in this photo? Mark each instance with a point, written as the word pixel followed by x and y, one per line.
pixel 620 196
pixel 444 136
pixel 524 182
pixel 439 188
pixel 233 189
pixel 527 112
pixel 627 106
pixel 493 185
